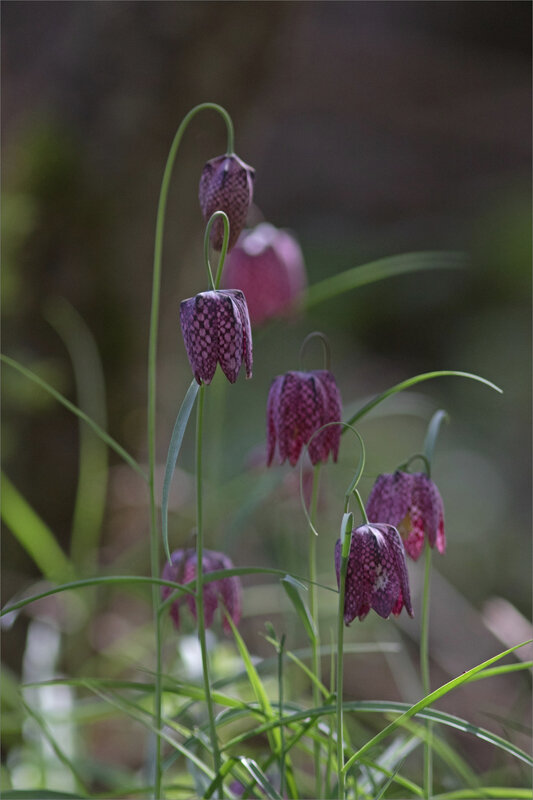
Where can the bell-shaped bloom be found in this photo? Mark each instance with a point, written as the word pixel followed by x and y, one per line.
pixel 299 403
pixel 377 574
pixel 183 569
pixel 226 184
pixel 267 264
pixel 216 330
pixel 412 503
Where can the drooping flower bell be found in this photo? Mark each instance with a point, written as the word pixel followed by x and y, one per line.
pixel 299 403
pixel 377 574
pixel 216 329
pixel 412 503
pixel 226 184
pixel 183 569
pixel 267 264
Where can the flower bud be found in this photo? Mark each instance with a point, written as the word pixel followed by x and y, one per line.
pixel 226 184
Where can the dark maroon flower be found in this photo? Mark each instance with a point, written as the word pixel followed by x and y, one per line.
pixel 267 264
pixel 299 403
pixel 183 569
pixel 412 503
pixel 226 184
pixel 377 575
pixel 216 329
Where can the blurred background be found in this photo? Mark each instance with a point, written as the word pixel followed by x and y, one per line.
pixel 375 128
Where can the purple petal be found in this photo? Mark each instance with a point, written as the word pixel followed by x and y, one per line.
pixel 229 335
pixel 226 184
pixel 427 499
pixel 198 318
pixel 390 498
pixel 240 301
pixel 272 408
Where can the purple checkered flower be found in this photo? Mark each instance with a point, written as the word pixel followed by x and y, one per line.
pixel 267 264
pixel 183 569
pixel 216 330
pixel 412 503
pixel 226 184
pixel 377 574
pixel 299 403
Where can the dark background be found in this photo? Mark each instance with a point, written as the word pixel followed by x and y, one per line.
pixel 375 128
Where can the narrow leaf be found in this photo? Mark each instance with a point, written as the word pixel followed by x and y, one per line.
pixel 173 451
pixel 259 777
pixel 33 534
pixel 382 268
pixel 292 588
pixel 78 412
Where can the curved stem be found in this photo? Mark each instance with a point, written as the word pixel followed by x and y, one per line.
pixel 225 241
pixel 406 464
pixel 325 345
pixel 313 602
pixel 431 436
pixel 199 579
pixel 361 506
pixel 151 412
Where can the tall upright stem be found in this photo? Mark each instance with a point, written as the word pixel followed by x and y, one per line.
pixel 424 670
pixel 199 579
pixel 313 601
pixel 151 411
pixel 340 670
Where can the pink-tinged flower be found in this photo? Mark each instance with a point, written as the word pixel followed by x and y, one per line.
pixel 216 330
pixel 183 569
pixel 267 264
pixel 412 503
pixel 377 575
pixel 226 184
pixel 299 403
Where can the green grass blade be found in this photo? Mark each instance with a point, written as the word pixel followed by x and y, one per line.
pixel 173 452
pixel 487 793
pixel 259 777
pixel 90 390
pixel 429 699
pixel 388 267
pixel 292 588
pixel 119 450
pixel 425 376
pixel 31 794
pixel 33 534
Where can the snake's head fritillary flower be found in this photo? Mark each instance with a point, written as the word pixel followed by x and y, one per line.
pixel 226 184
pixel 216 330
pixel 182 569
pixel 267 264
pixel 299 403
pixel 412 503
pixel 377 574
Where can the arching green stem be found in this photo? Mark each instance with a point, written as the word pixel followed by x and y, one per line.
pixel 325 345
pixel 151 411
pixel 215 283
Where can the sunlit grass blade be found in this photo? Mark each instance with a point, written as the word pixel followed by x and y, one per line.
pixel 387 267
pixel 173 452
pixel 487 793
pixel 259 777
pixel 102 581
pixel 495 672
pixel 429 699
pixel 425 376
pixel 33 534
pixel 292 588
pixel 119 450
pixel 59 753
pixel 91 395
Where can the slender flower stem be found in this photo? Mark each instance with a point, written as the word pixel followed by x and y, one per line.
pixel 424 669
pixel 199 579
pixel 346 544
pixel 361 506
pixel 313 601
pixel 151 411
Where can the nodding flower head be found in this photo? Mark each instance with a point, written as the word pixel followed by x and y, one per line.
pixel 226 184
pixel 299 403
pixel 267 264
pixel 183 569
pixel 412 503
pixel 377 575
pixel 216 329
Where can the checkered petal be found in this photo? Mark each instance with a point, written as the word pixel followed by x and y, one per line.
pixel 199 325
pixel 390 498
pixel 226 184
pixel 274 395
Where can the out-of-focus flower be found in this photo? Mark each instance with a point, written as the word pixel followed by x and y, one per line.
pixel 412 503
pixel 216 329
pixel 183 569
pixel 377 575
pixel 267 264
pixel 226 184
pixel 299 403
